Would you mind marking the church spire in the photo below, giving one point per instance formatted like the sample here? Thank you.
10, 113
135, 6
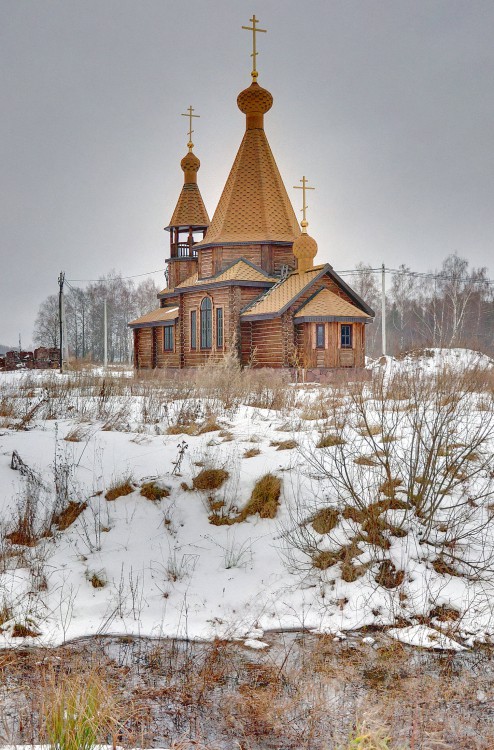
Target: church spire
305, 246
190, 211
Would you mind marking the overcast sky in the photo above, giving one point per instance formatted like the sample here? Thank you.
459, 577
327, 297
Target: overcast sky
386, 105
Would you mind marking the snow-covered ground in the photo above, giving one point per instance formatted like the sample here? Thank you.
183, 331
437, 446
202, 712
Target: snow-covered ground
161, 568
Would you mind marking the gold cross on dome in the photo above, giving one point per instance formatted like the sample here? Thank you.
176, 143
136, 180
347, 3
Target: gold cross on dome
255, 31
304, 187
190, 116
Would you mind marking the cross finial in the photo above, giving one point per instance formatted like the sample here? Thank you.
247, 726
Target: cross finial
190, 116
304, 187
255, 31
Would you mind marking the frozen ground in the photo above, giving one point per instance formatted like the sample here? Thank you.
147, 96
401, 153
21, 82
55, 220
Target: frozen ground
161, 568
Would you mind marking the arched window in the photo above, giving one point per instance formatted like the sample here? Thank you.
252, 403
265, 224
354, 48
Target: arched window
206, 323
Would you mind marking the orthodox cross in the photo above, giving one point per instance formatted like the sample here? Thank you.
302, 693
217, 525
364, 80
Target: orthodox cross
255, 31
190, 116
303, 188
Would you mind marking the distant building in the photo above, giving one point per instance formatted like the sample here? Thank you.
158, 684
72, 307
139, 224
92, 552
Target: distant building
246, 281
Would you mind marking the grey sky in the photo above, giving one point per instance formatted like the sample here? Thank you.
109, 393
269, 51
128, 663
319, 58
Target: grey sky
387, 106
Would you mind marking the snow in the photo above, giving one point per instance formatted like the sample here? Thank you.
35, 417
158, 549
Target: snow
425, 637
167, 571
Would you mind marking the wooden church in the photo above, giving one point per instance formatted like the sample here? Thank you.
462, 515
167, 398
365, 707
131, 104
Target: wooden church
245, 282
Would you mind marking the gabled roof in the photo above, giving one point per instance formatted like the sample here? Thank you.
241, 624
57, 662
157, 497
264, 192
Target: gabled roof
190, 210
155, 317
284, 293
240, 270
326, 303
254, 205
279, 298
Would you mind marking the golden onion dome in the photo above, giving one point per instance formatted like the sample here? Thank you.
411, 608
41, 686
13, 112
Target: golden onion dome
305, 250
190, 163
254, 102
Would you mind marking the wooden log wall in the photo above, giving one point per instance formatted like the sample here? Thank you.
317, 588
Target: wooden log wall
180, 269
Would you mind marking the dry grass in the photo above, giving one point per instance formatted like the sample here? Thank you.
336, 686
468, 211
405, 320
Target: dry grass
265, 498
284, 445
68, 515
152, 491
325, 520
97, 580
251, 452
119, 488
329, 441
210, 479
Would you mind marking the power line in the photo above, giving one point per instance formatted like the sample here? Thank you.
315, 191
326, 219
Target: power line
123, 278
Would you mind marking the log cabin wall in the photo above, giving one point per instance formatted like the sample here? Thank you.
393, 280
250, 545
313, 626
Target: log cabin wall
270, 258
144, 337
205, 263
180, 269
266, 343
166, 359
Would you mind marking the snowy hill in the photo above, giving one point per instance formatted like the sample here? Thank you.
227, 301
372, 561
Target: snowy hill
131, 505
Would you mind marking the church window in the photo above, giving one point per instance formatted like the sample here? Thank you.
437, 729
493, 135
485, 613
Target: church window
320, 337
346, 336
219, 327
168, 339
193, 329
206, 323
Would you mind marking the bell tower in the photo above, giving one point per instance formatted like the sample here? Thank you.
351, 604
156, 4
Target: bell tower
189, 220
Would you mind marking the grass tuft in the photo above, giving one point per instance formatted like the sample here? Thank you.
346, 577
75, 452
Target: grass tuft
119, 489
325, 520
265, 498
152, 491
329, 441
210, 479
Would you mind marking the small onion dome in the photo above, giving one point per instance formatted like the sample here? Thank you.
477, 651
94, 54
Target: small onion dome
305, 250
254, 102
190, 165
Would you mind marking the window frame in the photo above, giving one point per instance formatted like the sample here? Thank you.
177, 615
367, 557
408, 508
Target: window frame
193, 330
219, 319
346, 338
206, 324
320, 327
168, 339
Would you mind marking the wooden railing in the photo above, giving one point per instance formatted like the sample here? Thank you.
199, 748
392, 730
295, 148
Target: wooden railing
183, 250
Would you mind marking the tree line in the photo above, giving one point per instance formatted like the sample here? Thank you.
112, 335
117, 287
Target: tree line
84, 313
451, 307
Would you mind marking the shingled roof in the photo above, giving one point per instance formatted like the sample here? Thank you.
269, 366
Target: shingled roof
326, 303
284, 293
190, 210
254, 206
240, 270
155, 317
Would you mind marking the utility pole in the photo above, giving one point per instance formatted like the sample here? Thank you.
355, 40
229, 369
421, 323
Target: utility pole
61, 280
383, 309
105, 336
